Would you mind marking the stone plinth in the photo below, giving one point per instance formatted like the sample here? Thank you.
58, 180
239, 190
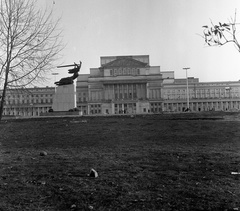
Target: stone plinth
64, 98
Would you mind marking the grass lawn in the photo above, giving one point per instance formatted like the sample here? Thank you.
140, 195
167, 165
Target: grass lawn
144, 163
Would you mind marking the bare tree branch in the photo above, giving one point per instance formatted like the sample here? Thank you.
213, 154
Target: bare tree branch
30, 43
222, 33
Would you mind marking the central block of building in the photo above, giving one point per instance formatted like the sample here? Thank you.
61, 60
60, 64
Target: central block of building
64, 98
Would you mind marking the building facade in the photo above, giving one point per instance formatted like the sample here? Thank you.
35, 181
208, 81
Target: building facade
28, 102
129, 85
203, 96
121, 85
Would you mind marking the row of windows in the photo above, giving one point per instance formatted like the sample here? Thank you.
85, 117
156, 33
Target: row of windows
199, 96
124, 71
82, 97
16, 102
95, 109
126, 108
95, 106
231, 90
218, 84
82, 94
210, 106
25, 111
29, 96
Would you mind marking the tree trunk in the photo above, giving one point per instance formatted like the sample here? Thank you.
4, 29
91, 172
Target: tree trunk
4, 92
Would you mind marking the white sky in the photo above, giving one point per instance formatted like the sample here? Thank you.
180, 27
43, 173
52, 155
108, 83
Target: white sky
166, 30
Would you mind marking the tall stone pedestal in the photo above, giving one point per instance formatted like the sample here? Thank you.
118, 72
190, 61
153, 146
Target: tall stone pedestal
64, 98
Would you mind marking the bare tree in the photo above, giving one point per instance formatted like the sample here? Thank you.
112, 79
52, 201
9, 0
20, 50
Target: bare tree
30, 42
222, 33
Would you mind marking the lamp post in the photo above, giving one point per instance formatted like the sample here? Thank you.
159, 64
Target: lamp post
187, 68
32, 109
230, 101
55, 74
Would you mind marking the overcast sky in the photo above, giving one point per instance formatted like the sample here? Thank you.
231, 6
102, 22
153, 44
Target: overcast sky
166, 30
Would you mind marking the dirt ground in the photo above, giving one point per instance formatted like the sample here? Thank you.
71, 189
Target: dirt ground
153, 162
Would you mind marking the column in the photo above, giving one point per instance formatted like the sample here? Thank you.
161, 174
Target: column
113, 109
147, 91
132, 91
138, 91
88, 109
89, 95
105, 92
112, 91
118, 91
121, 91
129, 91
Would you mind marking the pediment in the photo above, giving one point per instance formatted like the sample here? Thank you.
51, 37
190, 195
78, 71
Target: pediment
125, 62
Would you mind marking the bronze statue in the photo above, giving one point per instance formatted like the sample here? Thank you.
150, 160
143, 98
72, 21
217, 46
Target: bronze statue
69, 80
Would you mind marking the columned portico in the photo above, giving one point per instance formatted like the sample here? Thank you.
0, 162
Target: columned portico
121, 85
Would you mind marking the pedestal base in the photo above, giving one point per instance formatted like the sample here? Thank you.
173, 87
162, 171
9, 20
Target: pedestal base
64, 98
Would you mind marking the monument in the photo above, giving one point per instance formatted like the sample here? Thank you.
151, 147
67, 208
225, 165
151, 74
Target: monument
65, 93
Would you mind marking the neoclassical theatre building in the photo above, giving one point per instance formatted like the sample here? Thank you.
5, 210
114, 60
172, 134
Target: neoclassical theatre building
121, 85
129, 85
